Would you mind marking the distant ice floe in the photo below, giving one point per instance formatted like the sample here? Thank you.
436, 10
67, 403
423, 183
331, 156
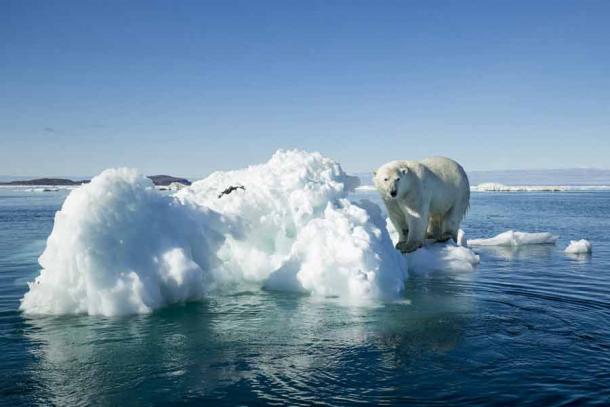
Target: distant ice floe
515, 239
39, 188
497, 187
581, 246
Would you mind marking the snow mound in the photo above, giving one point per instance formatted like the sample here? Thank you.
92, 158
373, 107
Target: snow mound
277, 201
581, 246
514, 239
118, 246
344, 253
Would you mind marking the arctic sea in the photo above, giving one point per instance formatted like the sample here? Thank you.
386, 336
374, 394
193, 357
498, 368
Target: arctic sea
529, 326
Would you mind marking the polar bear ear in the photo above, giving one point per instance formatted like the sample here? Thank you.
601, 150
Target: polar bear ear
374, 173
404, 171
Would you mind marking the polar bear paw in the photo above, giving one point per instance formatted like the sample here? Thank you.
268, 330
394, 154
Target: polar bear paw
404, 247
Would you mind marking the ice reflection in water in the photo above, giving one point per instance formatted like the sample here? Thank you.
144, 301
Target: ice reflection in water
255, 344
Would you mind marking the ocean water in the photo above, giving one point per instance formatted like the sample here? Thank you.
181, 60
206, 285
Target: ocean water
530, 325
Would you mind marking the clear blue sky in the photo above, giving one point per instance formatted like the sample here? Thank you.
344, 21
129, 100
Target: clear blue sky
186, 87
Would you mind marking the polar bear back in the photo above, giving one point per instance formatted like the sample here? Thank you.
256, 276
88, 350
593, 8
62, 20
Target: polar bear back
449, 172
444, 183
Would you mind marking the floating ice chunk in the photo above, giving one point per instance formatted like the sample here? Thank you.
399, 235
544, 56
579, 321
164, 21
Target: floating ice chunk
119, 247
512, 238
581, 246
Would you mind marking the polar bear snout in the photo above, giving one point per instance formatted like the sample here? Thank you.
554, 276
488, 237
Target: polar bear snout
393, 193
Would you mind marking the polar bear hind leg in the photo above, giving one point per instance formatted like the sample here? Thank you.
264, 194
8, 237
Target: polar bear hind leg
435, 228
451, 223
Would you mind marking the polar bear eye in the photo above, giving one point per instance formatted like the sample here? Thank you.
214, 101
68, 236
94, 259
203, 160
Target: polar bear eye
385, 179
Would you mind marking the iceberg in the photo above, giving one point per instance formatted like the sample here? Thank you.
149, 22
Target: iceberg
118, 246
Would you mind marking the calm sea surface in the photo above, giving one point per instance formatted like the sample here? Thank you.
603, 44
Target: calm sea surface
529, 326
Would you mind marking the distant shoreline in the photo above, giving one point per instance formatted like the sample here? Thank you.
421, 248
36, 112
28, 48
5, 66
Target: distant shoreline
158, 180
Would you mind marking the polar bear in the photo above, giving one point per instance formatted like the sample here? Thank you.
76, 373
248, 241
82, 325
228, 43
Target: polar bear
425, 199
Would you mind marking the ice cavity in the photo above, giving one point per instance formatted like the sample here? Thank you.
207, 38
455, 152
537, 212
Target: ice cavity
581, 246
119, 247
514, 239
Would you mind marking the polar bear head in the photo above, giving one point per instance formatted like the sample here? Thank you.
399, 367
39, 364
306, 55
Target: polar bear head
391, 179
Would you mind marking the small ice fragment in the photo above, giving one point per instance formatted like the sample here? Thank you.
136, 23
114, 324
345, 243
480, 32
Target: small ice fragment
581, 246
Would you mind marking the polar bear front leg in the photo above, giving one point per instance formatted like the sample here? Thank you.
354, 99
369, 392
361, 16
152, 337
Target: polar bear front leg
418, 225
399, 220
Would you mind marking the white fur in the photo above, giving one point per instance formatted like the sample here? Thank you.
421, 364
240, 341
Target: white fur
431, 199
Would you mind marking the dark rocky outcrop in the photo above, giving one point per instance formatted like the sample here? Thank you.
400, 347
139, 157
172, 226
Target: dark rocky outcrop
45, 181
